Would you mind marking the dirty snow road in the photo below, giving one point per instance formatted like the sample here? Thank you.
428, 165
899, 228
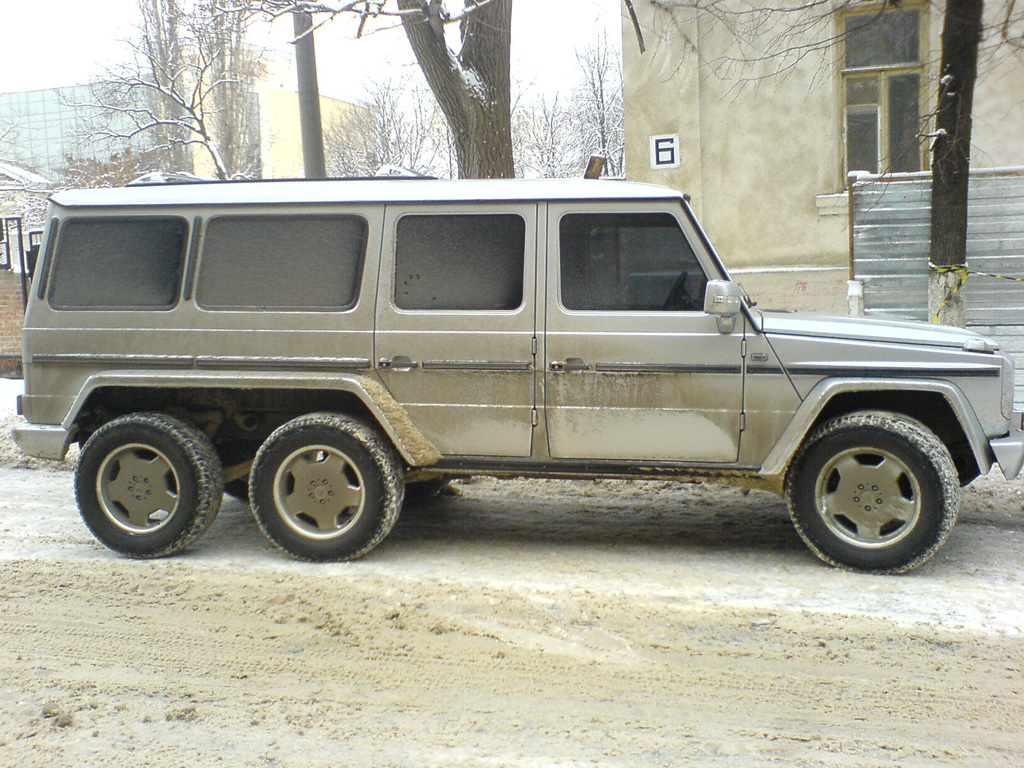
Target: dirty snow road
522, 624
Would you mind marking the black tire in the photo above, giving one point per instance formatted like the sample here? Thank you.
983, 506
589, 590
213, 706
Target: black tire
873, 491
326, 487
148, 485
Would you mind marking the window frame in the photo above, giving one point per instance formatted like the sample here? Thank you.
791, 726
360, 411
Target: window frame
53, 262
883, 73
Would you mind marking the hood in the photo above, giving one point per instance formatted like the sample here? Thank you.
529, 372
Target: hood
865, 329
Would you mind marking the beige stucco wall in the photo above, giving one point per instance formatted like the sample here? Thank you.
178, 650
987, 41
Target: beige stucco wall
761, 152
282, 137
280, 134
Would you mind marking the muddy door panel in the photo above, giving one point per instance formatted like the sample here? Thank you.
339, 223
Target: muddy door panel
634, 369
456, 324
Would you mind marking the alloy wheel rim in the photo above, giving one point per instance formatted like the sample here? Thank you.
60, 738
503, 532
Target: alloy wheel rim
868, 498
138, 488
319, 492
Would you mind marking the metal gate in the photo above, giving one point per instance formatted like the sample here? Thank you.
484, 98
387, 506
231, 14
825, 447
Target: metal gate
13, 247
890, 225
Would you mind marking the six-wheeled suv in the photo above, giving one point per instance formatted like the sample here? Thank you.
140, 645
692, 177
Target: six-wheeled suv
317, 345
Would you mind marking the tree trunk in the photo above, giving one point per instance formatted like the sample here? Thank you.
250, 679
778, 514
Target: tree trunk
473, 87
951, 160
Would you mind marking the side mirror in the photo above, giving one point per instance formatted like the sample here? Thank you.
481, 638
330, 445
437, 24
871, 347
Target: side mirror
724, 299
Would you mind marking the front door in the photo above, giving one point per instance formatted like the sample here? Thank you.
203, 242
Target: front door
634, 368
456, 324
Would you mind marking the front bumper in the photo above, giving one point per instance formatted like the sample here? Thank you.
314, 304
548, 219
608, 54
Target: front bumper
44, 441
1009, 450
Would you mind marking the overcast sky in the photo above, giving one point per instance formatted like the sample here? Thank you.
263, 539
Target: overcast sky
75, 41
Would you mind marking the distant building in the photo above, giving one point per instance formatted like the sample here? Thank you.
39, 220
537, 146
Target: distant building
41, 130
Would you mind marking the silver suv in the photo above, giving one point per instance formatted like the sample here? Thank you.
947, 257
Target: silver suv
318, 347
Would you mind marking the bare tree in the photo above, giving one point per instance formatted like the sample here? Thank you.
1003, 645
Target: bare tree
400, 125
471, 79
117, 170
190, 85
162, 28
556, 136
951, 159
599, 106
547, 139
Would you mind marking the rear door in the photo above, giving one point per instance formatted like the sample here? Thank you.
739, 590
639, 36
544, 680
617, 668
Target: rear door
634, 368
456, 323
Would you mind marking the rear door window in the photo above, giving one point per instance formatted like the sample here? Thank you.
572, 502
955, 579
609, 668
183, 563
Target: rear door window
460, 262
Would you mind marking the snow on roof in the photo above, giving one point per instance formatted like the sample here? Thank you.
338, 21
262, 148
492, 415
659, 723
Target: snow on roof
13, 175
362, 191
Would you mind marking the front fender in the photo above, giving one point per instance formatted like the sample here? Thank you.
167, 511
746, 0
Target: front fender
778, 459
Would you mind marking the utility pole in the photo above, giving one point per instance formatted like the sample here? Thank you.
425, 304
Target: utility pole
309, 98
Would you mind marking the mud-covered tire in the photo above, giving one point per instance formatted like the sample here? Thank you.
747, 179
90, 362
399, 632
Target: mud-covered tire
148, 485
873, 491
326, 487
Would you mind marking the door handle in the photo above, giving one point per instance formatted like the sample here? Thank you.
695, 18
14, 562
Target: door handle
570, 364
397, 363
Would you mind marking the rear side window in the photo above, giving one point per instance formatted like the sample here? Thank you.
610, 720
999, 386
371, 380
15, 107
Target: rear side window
469, 262
119, 263
628, 262
281, 263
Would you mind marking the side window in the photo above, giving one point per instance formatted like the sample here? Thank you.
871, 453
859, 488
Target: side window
629, 262
281, 263
119, 263
467, 262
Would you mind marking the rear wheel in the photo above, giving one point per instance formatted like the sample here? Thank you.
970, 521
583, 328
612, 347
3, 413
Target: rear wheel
873, 491
148, 484
326, 487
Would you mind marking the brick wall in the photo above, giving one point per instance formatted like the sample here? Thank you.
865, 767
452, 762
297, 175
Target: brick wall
10, 324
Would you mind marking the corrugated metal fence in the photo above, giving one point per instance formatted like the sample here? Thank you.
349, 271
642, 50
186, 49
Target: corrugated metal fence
891, 217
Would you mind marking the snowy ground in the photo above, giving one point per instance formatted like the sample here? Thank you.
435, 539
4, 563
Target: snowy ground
9, 390
523, 623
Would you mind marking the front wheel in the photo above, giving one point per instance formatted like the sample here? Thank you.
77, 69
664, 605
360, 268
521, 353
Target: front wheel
873, 491
326, 487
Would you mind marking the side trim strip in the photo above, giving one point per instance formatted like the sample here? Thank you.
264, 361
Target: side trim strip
972, 371
215, 362
86, 358
666, 368
477, 365
283, 363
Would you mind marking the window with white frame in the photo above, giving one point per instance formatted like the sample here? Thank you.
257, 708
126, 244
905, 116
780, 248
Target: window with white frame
883, 75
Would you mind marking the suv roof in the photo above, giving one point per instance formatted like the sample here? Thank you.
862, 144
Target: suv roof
362, 191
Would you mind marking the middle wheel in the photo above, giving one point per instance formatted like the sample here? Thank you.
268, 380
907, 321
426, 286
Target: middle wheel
326, 487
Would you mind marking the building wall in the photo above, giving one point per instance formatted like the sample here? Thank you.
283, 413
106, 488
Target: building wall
282, 134
10, 324
761, 153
